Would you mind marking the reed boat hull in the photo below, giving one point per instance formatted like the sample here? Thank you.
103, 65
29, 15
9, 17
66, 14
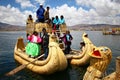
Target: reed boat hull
83, 58
56, 60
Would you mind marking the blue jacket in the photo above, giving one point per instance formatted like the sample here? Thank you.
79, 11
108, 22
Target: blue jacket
55, 21
62, 21
40, 13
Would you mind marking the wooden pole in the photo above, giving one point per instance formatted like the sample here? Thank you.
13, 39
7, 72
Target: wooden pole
19, 68
118, 68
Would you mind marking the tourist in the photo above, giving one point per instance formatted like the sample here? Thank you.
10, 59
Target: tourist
56, 22
62, 20
33, 48
46, 14
53, 28
45, 37
29, 19
67, 40
40, 14
82, 46
63, 38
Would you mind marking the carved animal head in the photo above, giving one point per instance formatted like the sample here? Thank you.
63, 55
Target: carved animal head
101, 52
100, 58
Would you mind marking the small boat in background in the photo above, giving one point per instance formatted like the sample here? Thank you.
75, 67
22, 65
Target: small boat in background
113, 31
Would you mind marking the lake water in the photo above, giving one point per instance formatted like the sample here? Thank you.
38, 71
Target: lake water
7, 62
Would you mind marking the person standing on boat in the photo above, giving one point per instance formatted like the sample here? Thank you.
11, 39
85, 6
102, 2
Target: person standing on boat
33, 48
46, 14
40, 14
67, 40
45, 42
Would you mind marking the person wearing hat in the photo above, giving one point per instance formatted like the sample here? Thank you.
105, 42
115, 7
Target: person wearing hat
40, 14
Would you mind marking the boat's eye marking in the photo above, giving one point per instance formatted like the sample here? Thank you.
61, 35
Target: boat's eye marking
104, 49
101, 49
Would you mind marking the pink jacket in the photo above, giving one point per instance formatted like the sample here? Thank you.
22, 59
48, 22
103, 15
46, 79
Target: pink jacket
35, 39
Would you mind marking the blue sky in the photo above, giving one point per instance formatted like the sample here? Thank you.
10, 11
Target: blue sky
74, 11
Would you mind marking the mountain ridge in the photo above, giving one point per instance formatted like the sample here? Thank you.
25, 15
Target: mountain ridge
10, 27
95, 27
98, 27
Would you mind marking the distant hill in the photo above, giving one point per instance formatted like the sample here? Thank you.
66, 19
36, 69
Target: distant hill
96, 27
9, 27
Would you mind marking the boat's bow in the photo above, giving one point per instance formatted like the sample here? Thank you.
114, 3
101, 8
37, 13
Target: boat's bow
56, 60
83, 58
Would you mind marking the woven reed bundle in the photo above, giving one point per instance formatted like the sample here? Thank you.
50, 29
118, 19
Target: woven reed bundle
30, 28
63, 28
40, 26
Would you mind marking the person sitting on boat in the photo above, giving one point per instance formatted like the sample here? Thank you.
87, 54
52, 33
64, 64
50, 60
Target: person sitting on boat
33, 47
56, 22
52, 22
53, 25
67, 40
29, 21
40, 13
62, 20
45, 41
82, 46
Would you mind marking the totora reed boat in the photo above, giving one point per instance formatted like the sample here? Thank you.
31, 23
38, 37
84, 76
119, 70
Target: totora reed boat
56, 60
81, 58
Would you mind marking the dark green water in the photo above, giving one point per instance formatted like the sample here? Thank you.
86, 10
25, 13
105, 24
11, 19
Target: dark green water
7, 63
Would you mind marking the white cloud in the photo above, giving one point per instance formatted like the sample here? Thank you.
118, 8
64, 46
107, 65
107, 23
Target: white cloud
24, 3
100, 12
13, 15
70, 13
102, 7
40, 1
